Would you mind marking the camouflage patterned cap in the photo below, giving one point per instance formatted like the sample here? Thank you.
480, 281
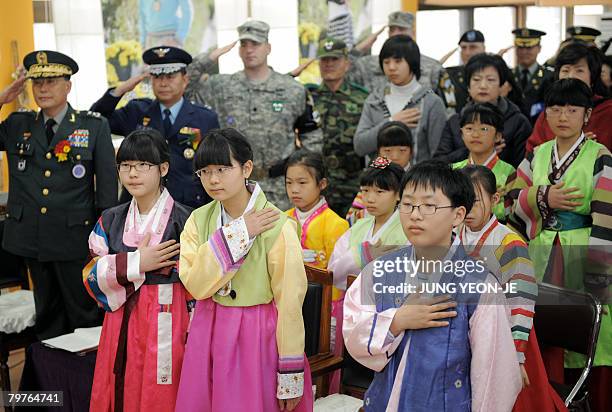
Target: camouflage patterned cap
401, 19
254, 30
332, 47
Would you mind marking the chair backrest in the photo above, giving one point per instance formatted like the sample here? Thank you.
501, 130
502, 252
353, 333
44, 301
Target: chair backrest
570, 320
356, 378
317, 311
567, 319
13, 270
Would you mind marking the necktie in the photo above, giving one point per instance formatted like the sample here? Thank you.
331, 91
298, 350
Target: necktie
167, 123
49, 130
524, 78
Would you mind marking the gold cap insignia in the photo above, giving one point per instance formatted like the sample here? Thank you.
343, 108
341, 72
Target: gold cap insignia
525, 32
41, 58
161, 52
578, 30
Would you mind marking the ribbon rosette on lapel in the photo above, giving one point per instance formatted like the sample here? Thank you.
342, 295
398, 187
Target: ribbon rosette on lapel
194, 136
62, 148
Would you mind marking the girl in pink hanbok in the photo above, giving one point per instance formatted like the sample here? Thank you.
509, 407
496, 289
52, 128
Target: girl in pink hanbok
133, 276
242, 260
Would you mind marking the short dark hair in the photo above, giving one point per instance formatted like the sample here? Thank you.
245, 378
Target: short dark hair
481, 61
438, 175
146, 145
394, 134
574, 92
481, 176
312, 161
220, 145
402, 47
486, 113
574, 52
388, 178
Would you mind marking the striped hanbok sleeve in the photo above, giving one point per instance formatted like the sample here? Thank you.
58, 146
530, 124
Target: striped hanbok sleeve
110, 278
598, 274
524, 203
516, 271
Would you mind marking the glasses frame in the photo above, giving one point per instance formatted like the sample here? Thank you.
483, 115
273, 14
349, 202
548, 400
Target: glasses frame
220, 172
418, 207
150, 165
481, 130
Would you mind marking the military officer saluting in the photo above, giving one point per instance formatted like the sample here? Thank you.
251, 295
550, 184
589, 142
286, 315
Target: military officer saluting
265, 105
182, 122
452, 84
339, 104
54, 157
533, 78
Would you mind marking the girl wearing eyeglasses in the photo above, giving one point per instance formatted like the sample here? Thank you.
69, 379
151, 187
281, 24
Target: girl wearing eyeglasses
481, 127
242, 260
506, 255
560, 201
133, 276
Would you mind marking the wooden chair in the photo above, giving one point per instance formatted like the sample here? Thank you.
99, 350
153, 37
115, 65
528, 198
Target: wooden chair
317, 324
356, 378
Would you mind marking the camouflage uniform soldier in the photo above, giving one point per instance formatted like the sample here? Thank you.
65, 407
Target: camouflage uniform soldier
339, 105
366, 70
265, 105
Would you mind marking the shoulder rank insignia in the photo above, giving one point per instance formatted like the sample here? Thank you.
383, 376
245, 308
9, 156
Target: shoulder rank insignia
93, 114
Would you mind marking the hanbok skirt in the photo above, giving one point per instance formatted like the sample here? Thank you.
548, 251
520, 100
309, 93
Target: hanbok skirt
231, 361
156, 337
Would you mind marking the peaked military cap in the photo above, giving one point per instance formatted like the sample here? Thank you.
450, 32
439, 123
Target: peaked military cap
166, 59
525, 37
48, 63
332, 47
472, 36
254, 30
583, 33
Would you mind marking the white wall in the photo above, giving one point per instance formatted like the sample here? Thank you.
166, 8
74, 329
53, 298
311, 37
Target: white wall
79, 33
551, 21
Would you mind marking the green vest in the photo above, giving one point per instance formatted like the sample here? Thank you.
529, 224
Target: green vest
579, 174
252, 280
574, 236
392, 235
502, 171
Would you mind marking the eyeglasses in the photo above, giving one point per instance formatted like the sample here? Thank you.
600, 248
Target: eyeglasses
468, 130
424, 210
140, 167
555, 111
219, 171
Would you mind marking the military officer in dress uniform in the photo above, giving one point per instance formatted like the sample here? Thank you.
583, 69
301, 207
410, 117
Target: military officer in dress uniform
452, 84
339, 104
533, 78
62, 175
267, 106
182, 122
